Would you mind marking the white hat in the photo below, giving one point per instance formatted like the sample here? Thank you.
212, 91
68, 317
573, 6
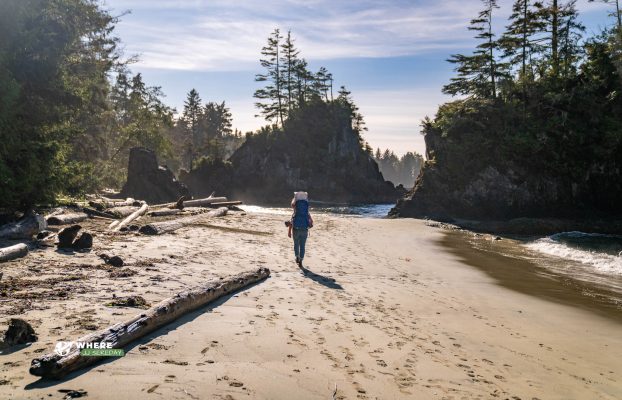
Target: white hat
301, 196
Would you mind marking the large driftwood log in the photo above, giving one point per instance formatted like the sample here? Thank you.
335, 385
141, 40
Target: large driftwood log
158, 228
103, 203
165, 212
225, 204
116, 225
95, 213
204, 202
66, 219
193, 203
25, 228
54, 366
123, 211
13, 252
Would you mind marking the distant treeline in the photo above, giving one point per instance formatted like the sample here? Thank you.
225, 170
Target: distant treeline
402, 170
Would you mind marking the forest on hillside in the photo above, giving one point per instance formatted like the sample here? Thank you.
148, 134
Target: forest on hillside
70, 108
402, 170
537, 127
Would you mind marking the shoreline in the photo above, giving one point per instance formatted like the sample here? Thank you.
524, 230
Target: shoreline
386, 312
530, 277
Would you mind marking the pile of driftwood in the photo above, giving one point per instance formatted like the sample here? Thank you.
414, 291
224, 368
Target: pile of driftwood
122, 214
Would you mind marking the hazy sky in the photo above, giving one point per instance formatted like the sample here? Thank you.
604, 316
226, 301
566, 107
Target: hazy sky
390, 53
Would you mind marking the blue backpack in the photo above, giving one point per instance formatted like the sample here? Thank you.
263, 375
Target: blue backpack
301, 215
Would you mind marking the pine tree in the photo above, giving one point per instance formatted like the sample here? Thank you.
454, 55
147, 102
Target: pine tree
563, 31
289, 63
271, 97
191, 118
478, 74
519, 42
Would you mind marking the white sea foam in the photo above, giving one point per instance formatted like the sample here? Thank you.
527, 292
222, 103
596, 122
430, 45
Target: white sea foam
568, 246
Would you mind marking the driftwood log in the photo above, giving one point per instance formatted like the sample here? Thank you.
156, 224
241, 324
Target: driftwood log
103, 203
165, 212
95, 213
116, 225
13, 252
192, 203
158, 228
66, 219
55, 366
25, 228
122, 212
225, 204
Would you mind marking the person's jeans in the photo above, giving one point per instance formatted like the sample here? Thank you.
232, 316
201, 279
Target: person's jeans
300, 238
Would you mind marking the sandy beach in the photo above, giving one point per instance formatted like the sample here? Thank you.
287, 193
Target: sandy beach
391, 309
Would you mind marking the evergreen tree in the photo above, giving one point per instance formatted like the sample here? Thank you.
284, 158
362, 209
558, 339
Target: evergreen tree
190, 119
271, 97
289, 63
479, 73
519, 42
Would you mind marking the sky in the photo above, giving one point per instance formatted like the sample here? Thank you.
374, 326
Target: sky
391, 54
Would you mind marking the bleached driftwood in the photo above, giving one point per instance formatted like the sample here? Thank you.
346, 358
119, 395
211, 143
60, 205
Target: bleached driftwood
103, 203
165, 212
25, 228
193, 203
225, 203
95, 213
66, 219
158, 228
123, 211
13, 252
116, 225
55, 366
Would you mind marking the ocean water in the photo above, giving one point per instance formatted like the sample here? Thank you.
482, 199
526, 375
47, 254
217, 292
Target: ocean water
363, 210
585, 252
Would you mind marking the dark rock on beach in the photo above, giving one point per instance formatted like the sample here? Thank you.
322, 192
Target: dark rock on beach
148, 181
19, 332
66, 236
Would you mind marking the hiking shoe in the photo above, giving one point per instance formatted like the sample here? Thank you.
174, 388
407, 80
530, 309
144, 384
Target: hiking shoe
297, 260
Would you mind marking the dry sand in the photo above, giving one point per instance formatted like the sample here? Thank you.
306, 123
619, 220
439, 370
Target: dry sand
388, 312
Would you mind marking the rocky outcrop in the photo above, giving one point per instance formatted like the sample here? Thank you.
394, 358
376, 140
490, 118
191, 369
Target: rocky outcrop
329, 163
148, 181
458, 184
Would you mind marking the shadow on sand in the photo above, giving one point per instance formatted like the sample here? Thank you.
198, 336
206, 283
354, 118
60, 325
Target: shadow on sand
321, 279
45, 383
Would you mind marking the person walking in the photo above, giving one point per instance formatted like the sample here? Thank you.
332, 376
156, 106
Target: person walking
299, 224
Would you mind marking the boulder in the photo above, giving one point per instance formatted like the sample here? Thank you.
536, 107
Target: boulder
148, 181
19, 332
84, 241
66, 236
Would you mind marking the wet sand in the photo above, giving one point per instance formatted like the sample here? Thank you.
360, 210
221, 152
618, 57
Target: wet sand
388, 309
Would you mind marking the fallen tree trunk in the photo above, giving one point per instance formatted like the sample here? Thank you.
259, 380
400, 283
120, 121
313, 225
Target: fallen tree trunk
225, 203
91, 212
103, 203
25, 228
116, 226
55, 366
13, 252
122, 212
164, 212
66, 219
158, 228
193, 203
204, 202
